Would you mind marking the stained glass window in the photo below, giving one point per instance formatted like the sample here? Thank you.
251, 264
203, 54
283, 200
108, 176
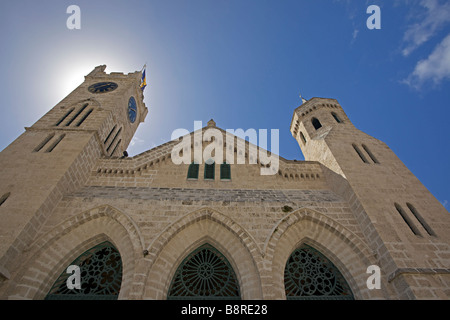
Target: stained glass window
310, 275
204, 274
100, 275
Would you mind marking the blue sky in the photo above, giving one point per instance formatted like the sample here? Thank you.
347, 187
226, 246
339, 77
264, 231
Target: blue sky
244, 63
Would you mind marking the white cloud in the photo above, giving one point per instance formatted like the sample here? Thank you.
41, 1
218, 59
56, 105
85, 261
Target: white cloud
435, 68
433, 19
136, 141
355, 34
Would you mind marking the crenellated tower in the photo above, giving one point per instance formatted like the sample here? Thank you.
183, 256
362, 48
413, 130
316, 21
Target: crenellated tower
403, 222
55, 155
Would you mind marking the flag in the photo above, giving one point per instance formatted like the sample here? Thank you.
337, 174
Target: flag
143, 79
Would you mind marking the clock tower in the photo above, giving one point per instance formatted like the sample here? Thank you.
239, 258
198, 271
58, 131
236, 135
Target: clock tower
55, 155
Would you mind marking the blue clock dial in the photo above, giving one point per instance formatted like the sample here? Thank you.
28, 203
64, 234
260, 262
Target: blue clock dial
102, 87
132, 110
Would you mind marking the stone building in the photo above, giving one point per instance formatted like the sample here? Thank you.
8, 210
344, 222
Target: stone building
145, 227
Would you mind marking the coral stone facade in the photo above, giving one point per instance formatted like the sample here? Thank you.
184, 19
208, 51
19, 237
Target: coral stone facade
66, 188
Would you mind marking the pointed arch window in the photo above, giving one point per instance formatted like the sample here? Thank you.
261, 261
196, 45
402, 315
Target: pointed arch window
316, 123
100, 274
204, 274
309, 275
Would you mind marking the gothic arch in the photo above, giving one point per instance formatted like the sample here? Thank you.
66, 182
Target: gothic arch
343, 248
205, 213
90, 101
54, 251
204, 274
189, 233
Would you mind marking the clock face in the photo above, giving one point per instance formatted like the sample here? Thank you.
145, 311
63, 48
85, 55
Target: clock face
132, 109
102, 87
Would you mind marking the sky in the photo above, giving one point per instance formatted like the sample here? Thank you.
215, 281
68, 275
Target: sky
244, 64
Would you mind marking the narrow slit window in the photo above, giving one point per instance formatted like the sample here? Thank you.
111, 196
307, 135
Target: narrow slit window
118, 143
84, 117
316, 123
363, 158
110, 134
335, 116
44, 142
4, 197
55, 143
374, 159
65, 116
76, 115
225, 171
421, 219
209, 170
114, 139
407, 220
193, 171
302, 137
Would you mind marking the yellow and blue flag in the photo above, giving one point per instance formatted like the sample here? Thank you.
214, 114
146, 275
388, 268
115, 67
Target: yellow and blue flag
143, 79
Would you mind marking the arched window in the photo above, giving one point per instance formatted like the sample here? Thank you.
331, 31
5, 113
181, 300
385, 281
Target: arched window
209, 170
204, 274
193, 171
335, 116
100, 275
225, 171
309, 275
316, 123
